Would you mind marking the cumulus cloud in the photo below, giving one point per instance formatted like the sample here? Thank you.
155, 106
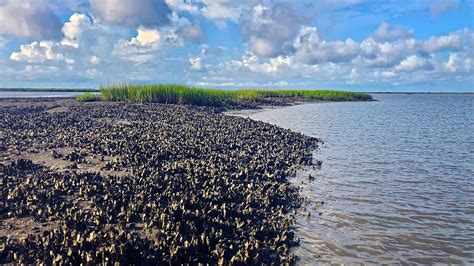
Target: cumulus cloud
29, 19
148, 41
253, 63
94, 60
182, 30
73, 30
208, 51
81, 39
413, 63
193, 33
385, 74
213, 10
148, 13
311, 49
270, 30
224, 10
182, 6
439, 7
37, 52
139, 49
458, 63
386, 32
196, 64
280, 44
453, 41
350, 62
386, 54
146, 37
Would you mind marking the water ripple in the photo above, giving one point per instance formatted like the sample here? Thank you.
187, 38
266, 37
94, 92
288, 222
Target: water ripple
397, 180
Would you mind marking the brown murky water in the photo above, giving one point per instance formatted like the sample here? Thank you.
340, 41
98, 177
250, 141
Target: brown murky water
397, 179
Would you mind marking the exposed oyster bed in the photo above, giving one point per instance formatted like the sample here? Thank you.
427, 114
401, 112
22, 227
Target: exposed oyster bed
109, 182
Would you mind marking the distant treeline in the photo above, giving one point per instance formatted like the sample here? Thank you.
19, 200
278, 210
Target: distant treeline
181, 94
49, 89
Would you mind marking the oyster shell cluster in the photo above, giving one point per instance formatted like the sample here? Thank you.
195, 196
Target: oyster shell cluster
117, 182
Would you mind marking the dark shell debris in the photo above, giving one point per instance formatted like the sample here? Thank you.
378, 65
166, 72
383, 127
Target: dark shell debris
146, 184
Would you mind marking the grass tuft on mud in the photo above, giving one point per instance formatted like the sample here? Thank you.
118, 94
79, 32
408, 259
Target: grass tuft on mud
88, 97
181, 94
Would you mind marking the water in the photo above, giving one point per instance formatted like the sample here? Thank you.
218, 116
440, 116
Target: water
36, 94
397, 179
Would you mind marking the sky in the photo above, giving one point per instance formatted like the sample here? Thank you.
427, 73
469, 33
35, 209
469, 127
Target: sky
357, 45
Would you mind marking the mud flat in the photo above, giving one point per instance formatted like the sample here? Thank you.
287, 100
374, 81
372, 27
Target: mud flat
145, 183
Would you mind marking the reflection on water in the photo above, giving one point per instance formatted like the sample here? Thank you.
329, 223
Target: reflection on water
397, 179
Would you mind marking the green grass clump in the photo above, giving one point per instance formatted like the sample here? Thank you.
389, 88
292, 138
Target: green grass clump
167, 93
181, 94
88, 97
321, 95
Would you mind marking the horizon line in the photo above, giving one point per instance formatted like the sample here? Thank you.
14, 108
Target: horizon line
89, 89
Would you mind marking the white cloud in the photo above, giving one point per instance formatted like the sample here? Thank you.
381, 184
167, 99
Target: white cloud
208, 51
196, 64
253, 63
94, 60
93, 72
386, 32
148, 13
439, 7
412, 63
33, 70
182, 6
401, 61
29, 19
350, 62
385, 74
74, 29
452, 41
146, 37
270, 30
148, 41
140, 48
279, 45
192, 33
459, 63
69, 61
218, 11
223, 10
181, 30
386, 54
37, 53
311, 49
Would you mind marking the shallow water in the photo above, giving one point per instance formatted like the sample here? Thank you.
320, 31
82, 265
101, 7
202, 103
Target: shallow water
397, 179
36, 94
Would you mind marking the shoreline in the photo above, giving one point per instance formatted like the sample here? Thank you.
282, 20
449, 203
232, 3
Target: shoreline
236, 168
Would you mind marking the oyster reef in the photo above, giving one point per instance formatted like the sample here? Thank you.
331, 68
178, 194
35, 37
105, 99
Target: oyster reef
145, 183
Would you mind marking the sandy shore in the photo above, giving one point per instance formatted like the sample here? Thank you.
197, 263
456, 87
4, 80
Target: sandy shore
115, 182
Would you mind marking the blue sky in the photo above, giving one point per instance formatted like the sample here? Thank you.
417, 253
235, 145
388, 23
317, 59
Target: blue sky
359, 45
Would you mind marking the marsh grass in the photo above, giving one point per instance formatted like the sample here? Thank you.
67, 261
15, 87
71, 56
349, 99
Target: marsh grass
181, 94
88, 97
322, 95
167, 93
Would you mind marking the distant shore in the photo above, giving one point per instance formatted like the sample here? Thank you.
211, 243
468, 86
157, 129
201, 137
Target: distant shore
48, 90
